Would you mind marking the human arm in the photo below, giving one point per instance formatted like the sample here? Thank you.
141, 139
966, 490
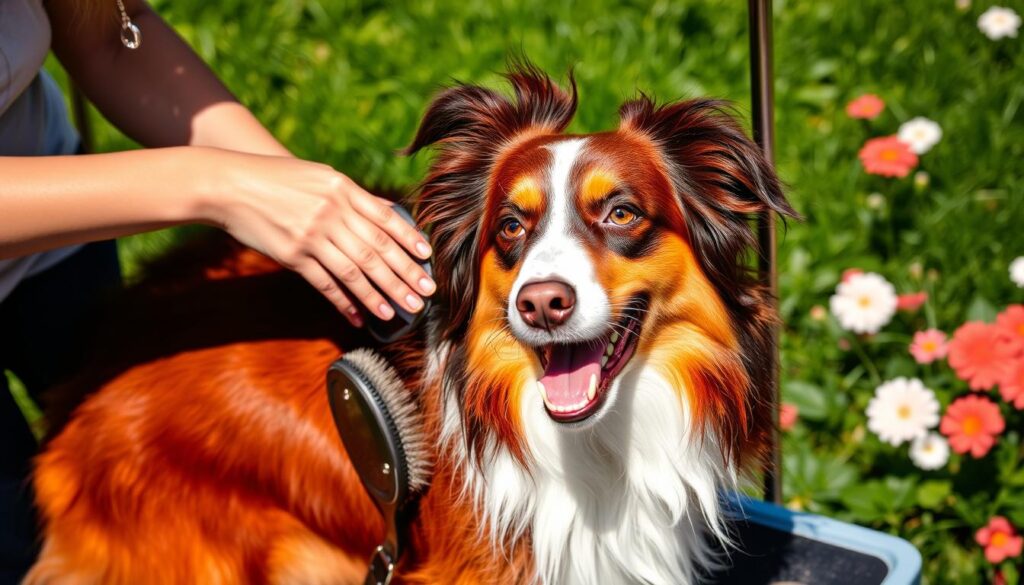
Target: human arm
53, 201
305, 215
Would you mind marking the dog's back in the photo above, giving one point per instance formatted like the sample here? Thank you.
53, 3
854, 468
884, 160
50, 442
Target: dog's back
205, 452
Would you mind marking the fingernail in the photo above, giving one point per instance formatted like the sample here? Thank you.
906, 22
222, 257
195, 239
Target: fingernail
423, 249
414, 301
427, 285
356, 320
386, 311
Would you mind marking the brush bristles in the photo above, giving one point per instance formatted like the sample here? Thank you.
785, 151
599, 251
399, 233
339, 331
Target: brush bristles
402, 407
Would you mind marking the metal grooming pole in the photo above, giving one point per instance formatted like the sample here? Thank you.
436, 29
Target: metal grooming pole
762, 104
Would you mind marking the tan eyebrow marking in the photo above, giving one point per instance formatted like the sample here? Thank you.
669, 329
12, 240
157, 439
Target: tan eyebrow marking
526, 195
597, 185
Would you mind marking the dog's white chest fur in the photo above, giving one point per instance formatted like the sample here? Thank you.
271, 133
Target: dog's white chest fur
630, 499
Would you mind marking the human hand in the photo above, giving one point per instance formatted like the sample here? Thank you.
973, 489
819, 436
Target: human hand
318, 222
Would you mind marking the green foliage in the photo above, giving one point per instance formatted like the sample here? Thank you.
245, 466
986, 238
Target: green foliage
345, 81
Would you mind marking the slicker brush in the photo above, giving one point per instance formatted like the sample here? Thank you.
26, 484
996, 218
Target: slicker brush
383, 432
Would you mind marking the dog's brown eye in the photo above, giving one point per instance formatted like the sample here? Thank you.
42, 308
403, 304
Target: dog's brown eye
512, 229
622, 216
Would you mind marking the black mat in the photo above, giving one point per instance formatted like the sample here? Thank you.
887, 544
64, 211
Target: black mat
767, 556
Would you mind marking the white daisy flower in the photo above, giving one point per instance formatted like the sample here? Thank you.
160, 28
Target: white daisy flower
998, 22
864, 303
1017, 271
902, 410
920, 134
930, 451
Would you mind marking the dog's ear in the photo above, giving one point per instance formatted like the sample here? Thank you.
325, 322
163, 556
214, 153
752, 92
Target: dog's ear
720, 176
721, 179
472, 126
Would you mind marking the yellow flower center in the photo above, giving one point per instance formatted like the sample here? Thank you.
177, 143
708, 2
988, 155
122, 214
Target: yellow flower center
1020, 329
928, 346
998, 539
864, 301
903, 412
971, 426
890, 154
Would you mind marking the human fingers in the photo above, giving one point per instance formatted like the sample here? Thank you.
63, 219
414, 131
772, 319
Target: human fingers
382, 213
322, 281
373, 266
348, 267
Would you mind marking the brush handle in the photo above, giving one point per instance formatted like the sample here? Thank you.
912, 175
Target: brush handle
403, 321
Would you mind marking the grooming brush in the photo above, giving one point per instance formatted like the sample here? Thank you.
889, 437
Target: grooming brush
403, 321
383, 432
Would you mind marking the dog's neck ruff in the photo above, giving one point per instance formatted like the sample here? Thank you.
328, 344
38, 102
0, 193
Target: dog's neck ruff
631, 499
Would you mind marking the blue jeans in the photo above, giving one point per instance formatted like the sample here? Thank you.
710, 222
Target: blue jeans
45, 326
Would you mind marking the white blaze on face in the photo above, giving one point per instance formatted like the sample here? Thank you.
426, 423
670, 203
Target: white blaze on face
558, 255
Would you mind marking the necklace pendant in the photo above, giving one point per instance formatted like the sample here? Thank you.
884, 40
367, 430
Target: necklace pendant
131, 36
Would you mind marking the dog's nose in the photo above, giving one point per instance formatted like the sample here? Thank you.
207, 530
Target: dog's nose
546, 305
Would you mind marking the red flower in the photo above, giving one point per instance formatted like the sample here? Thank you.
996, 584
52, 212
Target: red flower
1011, 387
1000, 540
865, 107
887, 157
788, 414
971, 423
911, 302
850, 273
980, 354
929, 346
1011, 324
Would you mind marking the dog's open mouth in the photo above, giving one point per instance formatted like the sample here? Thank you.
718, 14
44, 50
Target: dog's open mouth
577, 376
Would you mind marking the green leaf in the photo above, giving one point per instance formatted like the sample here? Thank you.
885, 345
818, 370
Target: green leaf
981, 310
932, 494
1010, 573
809, 398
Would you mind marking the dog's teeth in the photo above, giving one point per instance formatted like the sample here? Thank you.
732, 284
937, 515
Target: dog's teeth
608, 350
592, 390
604, 361
615, 336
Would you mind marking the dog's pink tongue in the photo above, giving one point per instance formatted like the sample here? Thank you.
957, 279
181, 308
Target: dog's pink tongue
567, 377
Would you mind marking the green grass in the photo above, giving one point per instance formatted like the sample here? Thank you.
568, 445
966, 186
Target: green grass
344, 82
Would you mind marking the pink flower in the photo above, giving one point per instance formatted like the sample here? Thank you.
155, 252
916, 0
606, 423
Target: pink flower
788, 414
911, 302
865, 107
971, 423
980, 354
887, 157
850, 273
1011, 387
929, 346
1011, 324
1000, 540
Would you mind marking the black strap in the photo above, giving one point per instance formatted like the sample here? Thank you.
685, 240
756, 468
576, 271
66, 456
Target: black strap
382, 567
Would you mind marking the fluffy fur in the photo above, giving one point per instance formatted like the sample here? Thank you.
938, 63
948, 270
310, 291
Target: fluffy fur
207, 455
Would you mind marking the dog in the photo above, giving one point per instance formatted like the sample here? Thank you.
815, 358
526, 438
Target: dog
593, 372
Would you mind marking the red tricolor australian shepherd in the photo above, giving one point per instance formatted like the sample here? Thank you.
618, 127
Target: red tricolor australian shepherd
591, 373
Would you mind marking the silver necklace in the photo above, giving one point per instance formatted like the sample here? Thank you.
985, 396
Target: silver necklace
131, 36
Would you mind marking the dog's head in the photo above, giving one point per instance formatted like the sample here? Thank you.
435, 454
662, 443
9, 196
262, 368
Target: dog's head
566, 263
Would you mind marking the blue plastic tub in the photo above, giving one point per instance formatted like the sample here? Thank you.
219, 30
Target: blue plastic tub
776, 545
